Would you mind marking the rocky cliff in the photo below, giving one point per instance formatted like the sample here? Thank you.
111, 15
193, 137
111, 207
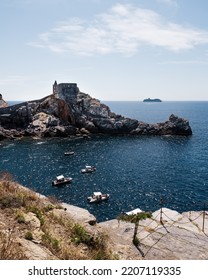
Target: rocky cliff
68, 112
2, 102
174, 236
33, 227
38, 228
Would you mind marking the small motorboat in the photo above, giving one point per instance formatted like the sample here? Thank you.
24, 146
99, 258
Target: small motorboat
88, 169
60, 180
98, 197
133, 212
69, 153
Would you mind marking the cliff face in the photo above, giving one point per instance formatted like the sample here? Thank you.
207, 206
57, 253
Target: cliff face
2, 102
33, 227
68, 112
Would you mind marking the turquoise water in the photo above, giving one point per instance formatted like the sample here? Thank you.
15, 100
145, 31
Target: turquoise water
135, 170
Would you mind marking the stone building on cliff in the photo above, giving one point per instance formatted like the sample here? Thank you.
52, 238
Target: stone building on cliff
66, 91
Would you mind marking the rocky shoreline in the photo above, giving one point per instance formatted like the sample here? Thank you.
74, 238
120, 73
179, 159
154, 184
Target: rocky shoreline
68, 111
167, 235
178, 236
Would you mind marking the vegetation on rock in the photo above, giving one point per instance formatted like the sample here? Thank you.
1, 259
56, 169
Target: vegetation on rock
36, 227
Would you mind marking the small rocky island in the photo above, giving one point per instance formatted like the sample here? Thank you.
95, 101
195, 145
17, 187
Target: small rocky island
68, 111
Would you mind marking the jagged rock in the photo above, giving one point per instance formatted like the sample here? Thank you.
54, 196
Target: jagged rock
167, 235
33, 251
32, 220
45, 125
3, 103
84, 131
68, 110
174, 126
79, 214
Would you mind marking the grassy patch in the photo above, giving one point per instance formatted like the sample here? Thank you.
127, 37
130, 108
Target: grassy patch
20, 217
80, 235
51, 242
9, 248
38, 212
62, 236
29, 235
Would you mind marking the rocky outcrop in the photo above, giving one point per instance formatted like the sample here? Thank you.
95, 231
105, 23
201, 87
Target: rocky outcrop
81, 215
68, 112
174, 126
3, 103
35, 227
176, 237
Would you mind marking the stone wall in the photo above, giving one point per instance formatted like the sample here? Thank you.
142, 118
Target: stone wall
66, 91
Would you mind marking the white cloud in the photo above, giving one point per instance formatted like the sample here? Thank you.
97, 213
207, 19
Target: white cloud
168, 2
124, 29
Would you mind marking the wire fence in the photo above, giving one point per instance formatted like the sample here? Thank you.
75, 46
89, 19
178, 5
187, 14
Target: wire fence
163, 220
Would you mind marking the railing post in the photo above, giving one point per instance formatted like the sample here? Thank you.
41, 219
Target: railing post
203, 218
161, 206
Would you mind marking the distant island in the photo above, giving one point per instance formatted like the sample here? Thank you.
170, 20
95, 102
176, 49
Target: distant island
152, 100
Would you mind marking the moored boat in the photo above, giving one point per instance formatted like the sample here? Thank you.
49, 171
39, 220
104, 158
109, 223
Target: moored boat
60, 180
98, 197
88, 169
69, 153
133, 212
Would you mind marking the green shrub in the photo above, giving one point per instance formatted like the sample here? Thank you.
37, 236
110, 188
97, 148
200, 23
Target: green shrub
38, 212
10, 201
20, 218
48, 208
80, 235
28, 235
50, 241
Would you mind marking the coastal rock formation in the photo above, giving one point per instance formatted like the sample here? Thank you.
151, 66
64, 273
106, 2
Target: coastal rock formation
34, 227
178, 237
174, 126
68, 112
2, 102
81, 215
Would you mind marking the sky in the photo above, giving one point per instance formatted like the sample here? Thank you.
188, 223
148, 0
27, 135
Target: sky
113, 50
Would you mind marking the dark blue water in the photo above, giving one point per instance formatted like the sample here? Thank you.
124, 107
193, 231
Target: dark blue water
135, 170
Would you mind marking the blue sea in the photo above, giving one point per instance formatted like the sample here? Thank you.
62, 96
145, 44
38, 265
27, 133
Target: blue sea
137, 171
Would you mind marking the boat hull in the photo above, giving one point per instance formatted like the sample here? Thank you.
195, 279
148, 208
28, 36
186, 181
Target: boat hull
88, 170
97, 199
69, 153
66, 181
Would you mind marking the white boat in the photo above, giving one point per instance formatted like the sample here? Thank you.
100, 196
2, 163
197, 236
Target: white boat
88, 169
60, 180
69, 153
98, 197
134, 212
